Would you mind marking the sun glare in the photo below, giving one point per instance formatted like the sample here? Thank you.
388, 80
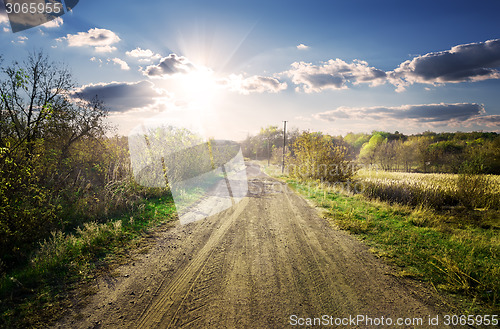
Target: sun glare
200, 88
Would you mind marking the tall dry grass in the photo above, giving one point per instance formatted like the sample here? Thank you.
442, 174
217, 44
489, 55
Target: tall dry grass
432, 190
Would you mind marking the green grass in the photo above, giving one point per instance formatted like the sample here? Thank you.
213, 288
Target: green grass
453, 250
33, 295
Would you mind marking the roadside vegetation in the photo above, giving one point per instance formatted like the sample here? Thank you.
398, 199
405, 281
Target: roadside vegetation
35, 295
437, 220
455, 252
67, 195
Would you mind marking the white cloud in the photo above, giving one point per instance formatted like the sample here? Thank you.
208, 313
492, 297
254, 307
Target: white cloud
104, 49
253, 84
334, 74
463, 63
302, 47
53, 23
6, 29
489, 121
4, 19
101, 39
143, 54
421, 113
20, 40
122, 63
97, 60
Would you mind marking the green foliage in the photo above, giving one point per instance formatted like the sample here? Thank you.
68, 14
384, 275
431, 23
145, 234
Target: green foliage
268, 143
356, 140
59, 173
26, 213
318, 157
58, 170
369, 150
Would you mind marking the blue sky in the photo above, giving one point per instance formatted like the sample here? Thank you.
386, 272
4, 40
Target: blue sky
228, 68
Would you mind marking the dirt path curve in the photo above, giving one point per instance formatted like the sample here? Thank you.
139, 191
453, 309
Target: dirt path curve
255, 265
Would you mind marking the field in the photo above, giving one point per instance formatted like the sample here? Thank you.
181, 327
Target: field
433, 190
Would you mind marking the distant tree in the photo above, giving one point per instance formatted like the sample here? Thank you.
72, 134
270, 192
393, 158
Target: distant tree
271, 136
368, 153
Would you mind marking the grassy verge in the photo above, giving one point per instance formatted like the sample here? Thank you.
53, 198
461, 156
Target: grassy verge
447, 249
33, 295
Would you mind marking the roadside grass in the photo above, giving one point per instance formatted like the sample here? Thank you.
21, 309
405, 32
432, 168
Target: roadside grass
456, 251
32, 296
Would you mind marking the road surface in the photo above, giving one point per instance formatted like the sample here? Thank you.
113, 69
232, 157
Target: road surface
267, 262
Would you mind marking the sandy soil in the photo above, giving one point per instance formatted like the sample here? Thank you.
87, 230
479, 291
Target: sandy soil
255, 265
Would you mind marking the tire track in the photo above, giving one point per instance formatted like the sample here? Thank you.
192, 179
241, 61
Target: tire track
182, 284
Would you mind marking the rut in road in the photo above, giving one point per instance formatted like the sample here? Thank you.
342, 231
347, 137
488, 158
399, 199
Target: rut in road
253, 266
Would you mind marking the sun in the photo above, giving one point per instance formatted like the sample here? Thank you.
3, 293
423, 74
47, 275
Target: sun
199, 88
195, 96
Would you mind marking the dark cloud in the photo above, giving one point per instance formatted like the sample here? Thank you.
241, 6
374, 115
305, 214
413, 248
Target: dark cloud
121, 96
424, 113
170, 65
468, 62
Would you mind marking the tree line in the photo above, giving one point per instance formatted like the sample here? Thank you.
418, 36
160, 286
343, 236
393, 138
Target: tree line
428, 152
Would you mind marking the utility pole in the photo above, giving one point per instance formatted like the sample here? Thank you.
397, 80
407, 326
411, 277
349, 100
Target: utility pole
284, 145
268, 152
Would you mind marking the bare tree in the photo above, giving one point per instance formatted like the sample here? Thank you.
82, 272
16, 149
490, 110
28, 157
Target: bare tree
36, 101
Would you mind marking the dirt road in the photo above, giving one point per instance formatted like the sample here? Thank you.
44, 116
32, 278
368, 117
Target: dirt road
264, 263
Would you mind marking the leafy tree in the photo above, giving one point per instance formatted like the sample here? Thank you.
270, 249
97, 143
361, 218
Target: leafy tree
41, 120
368, 152
316, 156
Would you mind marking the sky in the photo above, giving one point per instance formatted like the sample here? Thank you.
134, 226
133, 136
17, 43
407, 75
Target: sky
228, 68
